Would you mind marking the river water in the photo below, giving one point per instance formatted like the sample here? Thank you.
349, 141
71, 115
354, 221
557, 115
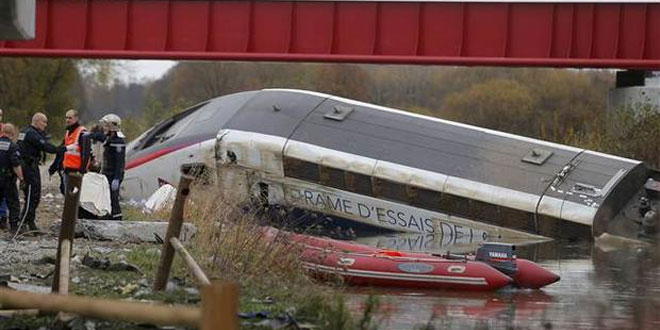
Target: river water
600, 288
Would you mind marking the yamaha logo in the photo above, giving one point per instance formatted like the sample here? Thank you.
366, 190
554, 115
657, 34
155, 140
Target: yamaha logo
501, 255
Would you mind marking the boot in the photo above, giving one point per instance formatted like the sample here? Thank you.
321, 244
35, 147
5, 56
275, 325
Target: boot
13, 228
4, 223
33, 226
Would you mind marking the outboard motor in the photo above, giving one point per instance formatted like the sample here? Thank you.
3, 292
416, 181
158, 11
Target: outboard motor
500, 256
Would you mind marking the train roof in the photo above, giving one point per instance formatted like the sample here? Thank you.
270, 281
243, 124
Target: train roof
423, 142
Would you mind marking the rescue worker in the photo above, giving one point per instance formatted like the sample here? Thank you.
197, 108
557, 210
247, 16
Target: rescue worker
76, 144
114, 154
10, 169
33, 142
4, 212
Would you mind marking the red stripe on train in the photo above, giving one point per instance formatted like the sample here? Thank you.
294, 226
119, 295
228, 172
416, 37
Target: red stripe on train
161, 152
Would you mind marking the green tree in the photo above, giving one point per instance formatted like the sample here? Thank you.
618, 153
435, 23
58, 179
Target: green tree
499, 104
29, 85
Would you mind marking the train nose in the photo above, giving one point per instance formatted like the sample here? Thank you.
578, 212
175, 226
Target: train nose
532, 276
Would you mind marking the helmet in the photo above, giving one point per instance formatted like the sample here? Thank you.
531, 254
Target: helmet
112, 121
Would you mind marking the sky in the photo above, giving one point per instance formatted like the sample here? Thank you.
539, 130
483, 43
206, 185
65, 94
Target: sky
142, 70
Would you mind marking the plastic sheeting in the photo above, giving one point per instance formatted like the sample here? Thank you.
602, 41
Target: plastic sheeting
160, 198
95, 194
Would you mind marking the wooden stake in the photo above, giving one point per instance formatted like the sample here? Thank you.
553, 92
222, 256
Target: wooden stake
103, 308
173, 230
64, 267
219, 307
190, 262
68, 225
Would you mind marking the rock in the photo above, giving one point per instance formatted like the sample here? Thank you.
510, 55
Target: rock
45, 260
76, 260
126, 231
75, 280
95, 263
122, 265
105, 264
29, 288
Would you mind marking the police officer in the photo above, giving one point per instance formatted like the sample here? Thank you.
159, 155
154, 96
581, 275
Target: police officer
10, 169
33, 143
114, 154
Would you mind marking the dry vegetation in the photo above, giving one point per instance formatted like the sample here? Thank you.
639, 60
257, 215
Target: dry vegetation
231, 245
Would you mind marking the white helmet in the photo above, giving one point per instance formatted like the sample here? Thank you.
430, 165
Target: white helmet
113, 121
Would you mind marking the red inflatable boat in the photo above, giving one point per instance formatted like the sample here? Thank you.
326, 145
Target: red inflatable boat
495, 266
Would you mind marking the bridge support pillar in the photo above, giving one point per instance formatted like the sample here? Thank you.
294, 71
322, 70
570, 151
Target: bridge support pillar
635, 90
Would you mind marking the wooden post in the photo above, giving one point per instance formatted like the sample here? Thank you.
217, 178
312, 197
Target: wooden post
193, 267
102, 308
68, 225
173, 230
219, 307
64, 267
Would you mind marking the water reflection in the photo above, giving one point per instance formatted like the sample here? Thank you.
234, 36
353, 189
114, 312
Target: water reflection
599, 289
435, 243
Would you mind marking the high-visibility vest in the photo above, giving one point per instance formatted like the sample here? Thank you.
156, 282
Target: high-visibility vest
72, 155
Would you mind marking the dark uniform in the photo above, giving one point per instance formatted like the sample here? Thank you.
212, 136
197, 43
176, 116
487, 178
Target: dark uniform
33, 144
9, 158
114, 155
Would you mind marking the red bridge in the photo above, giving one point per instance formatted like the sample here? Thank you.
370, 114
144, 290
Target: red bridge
617, 35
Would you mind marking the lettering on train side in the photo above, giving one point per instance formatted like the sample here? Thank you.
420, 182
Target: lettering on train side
404, 218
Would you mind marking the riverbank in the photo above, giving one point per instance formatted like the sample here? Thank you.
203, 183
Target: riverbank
274, 287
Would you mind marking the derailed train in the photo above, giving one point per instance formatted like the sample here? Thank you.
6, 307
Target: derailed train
395, 170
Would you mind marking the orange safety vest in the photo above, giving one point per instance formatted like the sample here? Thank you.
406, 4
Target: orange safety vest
72, 155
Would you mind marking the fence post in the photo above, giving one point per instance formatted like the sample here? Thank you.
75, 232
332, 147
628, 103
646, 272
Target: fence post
173, 230
219, 306
68, 226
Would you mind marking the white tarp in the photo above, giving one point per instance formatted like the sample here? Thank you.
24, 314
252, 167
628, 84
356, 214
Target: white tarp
165, 195
95, 194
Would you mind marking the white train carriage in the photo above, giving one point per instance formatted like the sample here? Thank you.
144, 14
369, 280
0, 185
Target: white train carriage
393, 169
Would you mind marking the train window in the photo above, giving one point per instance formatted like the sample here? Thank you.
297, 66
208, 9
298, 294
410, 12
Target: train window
300, 169
456, 205
426, 198
516, 219
333, 177
359, 183
391, 190
167, 128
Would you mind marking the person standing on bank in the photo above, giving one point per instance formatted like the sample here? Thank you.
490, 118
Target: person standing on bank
33, 143
10, 169
76, 145
114, 156
4, 212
